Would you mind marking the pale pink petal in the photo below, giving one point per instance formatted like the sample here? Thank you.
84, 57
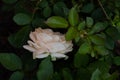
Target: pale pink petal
44, 37
56, 38
57, 55
55, 47
48, 31
38, 30
33, 36
41, 51
31, 49
42, 55
33, 44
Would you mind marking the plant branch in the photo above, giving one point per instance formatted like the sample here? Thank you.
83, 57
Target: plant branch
36, 8
105, 12
103, 9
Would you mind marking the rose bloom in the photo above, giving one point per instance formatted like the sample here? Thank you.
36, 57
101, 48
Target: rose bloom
45, 42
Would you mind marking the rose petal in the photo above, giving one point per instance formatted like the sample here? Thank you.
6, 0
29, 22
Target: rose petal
44, 37
55, 47
57, 55
31, 49
33, 36
34, 44
42, 55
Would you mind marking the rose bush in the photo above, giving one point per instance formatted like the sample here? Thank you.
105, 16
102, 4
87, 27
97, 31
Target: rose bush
92, 26
45, 42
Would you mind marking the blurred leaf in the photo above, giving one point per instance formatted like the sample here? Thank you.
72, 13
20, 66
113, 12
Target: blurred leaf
66, 11
81, 25
73, 17
9, 1
85, 48
66, 74
45, 71
113, 76
57, 22
88, 8
83, 74
10, 61
99, 26
96, 75
97, 40
69, 35
17, 76
17, 40
89, 22
22, 19
43, 4
60, 9
97, 14
47, 11
38, 22
109, 43
101, 50
101, 65
93, 54
113, 33
117, 60
81, 60
28, 62
56, 76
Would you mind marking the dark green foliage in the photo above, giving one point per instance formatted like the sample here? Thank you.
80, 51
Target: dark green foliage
10, 61
17, 76
22, 19
17, 40
93, 26
45, 70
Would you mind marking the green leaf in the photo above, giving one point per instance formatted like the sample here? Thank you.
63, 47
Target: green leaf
17, 76
22, 19
81, 60
113, 33
82, 74
69, 35
89, 22
57, 22
109, 43
88, 8
47, 11
9, 1
73, 17
60, 9
113, 76
66, 74
101, 65
38, 22
93, 53
97, 40
96, 75
101, 50
17, 40
81, 25
97, 14
56, 76
117, 60
99, 26
10, 61
85, 48
43, 4
28, 61
45, 70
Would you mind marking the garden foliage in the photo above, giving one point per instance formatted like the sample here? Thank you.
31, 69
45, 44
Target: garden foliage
92, 25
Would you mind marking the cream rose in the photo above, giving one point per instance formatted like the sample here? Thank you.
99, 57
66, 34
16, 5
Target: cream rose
45, 42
